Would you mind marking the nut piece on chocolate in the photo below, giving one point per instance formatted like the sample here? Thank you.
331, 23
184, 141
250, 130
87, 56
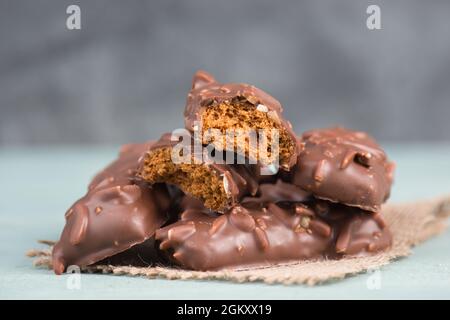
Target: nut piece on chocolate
114, 215
363, 234
344, 166
261, 233
357, 232
237, 106
219, 186
246, 235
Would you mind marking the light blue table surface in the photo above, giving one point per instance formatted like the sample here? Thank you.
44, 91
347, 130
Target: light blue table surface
38, 185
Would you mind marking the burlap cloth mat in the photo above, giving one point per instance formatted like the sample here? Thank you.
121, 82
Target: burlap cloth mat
411, 223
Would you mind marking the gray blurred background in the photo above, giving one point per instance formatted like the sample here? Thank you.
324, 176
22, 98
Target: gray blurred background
125, 75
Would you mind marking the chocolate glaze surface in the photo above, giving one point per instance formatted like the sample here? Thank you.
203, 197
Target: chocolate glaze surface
344, 166
207, 92
280, 191
362, 234
247, 235
115, 214
357, 232
269, 230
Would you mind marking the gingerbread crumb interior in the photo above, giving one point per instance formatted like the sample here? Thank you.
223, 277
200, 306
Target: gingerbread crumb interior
197, 180
244, 116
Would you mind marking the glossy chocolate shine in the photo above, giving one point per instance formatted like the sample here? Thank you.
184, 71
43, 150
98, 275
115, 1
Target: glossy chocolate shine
280, 191
258, 233
344, 166
113, 216
207, 92
244, 236
357, 232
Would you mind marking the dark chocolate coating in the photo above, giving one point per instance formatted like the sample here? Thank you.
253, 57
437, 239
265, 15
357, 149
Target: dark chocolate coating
344, 166
280, 191
357, 232
115, 214
363, 234
247, 235
207, 92
268, 230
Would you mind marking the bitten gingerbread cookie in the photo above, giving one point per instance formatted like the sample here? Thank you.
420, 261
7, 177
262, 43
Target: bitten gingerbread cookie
344, 166
219, 186
241, 108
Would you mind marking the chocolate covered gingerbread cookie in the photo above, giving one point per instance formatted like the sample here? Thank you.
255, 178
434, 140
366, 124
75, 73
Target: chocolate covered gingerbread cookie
244, 111
344, 166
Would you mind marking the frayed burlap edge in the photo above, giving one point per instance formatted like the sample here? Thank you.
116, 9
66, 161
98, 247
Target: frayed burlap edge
410, 223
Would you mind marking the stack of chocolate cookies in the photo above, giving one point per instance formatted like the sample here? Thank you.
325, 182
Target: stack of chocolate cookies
231, 203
